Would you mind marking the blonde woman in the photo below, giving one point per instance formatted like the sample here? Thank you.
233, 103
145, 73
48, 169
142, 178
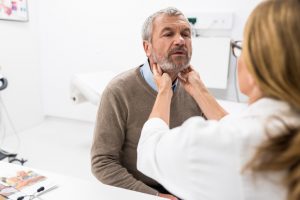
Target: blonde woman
255, 155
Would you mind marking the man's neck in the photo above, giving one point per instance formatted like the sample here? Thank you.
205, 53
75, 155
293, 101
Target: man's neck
173, 76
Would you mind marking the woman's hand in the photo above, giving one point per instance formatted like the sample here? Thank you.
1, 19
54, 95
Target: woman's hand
161, 107
193, 84
163, 80
191, 81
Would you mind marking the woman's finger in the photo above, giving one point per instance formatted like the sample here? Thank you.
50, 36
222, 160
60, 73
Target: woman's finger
185, 71
182, 82
181, 77
155, 70
190, 69
159, 69
184, 75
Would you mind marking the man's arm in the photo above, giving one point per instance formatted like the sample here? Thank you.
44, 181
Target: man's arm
109, 136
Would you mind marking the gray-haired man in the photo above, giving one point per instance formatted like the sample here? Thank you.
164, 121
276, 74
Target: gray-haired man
128, 99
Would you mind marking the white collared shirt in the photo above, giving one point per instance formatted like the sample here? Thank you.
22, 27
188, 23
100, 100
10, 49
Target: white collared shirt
203, 159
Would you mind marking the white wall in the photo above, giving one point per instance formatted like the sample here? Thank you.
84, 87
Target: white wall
19, 58
93, 35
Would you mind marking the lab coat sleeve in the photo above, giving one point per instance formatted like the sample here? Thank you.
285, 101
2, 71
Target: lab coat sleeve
160, 154
194, 161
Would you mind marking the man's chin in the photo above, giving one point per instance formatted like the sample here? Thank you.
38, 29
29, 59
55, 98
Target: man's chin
174, 67
176, 71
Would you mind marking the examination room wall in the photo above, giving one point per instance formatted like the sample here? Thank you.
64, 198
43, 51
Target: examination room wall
63, 38
90, 36
20, 64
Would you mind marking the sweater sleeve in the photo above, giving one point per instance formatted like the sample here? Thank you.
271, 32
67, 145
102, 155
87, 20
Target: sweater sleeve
109, 136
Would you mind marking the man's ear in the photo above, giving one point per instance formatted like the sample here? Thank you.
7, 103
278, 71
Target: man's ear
147, 47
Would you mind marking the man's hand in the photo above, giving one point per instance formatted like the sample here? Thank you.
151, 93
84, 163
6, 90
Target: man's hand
163, 80
167, 196
191, 81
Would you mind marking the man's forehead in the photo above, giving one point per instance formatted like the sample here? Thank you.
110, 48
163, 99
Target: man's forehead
165, 20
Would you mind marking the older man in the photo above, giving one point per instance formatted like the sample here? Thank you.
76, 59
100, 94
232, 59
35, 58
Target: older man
128, 99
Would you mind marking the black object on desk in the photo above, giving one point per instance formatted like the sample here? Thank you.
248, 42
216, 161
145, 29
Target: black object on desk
12, 157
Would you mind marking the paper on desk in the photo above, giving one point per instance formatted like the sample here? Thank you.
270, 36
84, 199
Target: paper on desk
7, 191
17, 181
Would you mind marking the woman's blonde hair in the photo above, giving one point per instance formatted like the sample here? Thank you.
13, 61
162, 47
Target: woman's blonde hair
271, 52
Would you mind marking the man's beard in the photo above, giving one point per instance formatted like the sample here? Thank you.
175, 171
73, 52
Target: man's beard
171, 65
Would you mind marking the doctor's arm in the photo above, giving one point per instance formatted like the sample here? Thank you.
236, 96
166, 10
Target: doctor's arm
193, 84
189, 156
161, 108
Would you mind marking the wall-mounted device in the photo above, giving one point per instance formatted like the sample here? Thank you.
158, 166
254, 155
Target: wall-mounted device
211, 20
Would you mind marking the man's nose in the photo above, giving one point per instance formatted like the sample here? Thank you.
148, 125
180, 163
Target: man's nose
179, 40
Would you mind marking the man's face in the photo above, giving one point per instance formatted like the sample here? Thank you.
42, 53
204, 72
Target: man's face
171, 45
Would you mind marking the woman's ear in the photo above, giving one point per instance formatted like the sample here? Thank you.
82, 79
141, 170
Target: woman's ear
250, 79
147, 47
255, 89
247, 82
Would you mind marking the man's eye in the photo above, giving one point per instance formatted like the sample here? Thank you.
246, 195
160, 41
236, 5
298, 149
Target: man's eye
186, 35
168, 34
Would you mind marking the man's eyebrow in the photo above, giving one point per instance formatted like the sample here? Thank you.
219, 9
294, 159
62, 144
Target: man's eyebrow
166, 29
186, 29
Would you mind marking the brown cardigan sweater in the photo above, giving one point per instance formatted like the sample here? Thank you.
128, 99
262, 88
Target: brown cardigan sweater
125, 106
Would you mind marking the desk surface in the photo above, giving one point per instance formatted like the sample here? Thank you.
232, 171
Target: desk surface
77, 189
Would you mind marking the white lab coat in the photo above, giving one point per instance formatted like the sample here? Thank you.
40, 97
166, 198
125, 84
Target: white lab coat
203, 160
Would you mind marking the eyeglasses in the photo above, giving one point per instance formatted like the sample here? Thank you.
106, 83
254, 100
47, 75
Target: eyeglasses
236, 47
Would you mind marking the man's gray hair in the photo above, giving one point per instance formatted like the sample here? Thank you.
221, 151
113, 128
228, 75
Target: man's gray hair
148, 24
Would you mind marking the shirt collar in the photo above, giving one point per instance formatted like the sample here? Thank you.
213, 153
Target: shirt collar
148, 76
